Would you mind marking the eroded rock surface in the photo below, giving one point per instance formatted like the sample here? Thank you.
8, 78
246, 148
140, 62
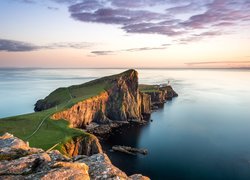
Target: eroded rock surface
121, 102
36, 164
82, 145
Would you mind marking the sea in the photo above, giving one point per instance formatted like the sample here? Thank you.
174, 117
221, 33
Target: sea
203, 134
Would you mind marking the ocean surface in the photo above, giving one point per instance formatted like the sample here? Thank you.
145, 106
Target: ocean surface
203, 134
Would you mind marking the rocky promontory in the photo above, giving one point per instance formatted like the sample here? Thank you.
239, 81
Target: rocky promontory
67, 120
19, 161
121, 100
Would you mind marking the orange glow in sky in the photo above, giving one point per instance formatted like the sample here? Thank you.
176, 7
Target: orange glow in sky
150, 34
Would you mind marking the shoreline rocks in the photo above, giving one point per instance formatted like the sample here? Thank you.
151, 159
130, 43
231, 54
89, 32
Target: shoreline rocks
37, 164
129, 150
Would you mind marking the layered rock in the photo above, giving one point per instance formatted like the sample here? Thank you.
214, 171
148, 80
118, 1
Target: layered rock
82, 145
145, 105
160, 95
121, 102
37, 164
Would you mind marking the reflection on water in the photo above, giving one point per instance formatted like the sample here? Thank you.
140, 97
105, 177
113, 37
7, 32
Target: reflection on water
202, 134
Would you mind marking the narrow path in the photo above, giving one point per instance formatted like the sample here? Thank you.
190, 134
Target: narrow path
50, 114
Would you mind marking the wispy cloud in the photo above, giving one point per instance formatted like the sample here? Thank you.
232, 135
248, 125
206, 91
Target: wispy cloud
19, 46
101, 53
53, 8
217, 62
15, 46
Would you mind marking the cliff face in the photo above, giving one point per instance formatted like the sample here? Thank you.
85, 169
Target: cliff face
161, 95
121, 102
19, 161
82, 145
84, 112
145, 105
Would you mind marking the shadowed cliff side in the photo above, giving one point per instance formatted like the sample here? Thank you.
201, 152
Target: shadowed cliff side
81, 145
121, 101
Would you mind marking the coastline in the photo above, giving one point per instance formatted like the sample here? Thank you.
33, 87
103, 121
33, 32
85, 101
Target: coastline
136, 108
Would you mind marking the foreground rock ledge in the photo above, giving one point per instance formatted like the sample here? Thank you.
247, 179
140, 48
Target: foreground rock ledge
19, 161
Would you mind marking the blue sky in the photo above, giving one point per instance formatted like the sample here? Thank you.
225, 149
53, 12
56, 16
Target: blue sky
124, 33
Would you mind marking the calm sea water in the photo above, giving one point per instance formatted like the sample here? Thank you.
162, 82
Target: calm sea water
202, 134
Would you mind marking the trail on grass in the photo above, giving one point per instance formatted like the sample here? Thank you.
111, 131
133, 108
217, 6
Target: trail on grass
39, 126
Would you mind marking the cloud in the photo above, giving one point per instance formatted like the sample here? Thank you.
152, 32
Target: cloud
53, 8
198, 37
19, 46
101, 53
164, 17
217, 62
15, 46
145, 16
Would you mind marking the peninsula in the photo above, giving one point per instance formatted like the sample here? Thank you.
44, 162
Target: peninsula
70, 120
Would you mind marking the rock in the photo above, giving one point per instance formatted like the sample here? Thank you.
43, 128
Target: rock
67, 170
82, 145
138, 177
53, 165
169, 92
55, 155
42, 105
104, 129
100, 167
121, 102
24, 165
13, 148
145, 105
129, 150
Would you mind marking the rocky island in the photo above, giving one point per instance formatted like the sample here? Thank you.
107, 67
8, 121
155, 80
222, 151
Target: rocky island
68, 119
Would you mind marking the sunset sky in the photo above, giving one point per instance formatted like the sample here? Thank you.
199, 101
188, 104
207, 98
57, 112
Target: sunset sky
125, 33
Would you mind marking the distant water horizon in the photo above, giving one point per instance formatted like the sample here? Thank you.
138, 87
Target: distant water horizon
202, 134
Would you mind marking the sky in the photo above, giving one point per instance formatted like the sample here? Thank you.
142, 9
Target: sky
125, 33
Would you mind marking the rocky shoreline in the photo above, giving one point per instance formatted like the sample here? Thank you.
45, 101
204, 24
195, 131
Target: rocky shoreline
19, 161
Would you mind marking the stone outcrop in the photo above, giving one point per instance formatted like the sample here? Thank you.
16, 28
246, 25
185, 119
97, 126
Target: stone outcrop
145, 105
129, 150
160, 95
82, 145
121, 102
35, 164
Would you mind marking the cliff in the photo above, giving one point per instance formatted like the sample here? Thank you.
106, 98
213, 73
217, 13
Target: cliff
19, 161
158, 94
81, 145
112, 99
121, 101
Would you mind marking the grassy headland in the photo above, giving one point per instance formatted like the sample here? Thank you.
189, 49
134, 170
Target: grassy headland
43, 132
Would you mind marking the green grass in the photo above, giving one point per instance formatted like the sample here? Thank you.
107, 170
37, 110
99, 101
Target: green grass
52, 132
148, 88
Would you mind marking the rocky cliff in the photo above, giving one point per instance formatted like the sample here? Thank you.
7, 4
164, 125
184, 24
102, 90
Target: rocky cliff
122, 101
81, 145
158, 95
19, 161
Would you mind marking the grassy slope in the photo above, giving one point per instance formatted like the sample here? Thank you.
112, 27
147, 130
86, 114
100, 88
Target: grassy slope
148, 88
52, 132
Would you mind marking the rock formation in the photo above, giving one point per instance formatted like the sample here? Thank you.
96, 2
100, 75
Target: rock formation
129, 150
19, 161
82, 145
121, 102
